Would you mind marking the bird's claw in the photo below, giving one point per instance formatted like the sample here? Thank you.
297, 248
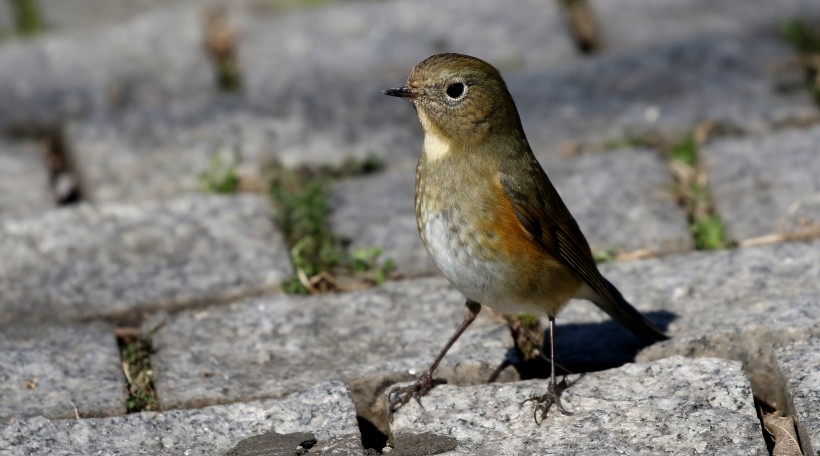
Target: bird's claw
544, 402
400, 396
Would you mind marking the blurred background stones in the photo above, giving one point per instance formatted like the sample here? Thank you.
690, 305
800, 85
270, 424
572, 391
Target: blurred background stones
176, 176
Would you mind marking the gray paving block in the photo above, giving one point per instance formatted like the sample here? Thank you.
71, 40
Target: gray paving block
672, 406
63, 16
161, 152
49, 370
152, 58
622, 200
728, 79
631, 24
709, 302
766, 185
115, 261
800, 365
269, 346
772, 270
24, 180
358, 49
379, 211
324, 410
737, 304
749, 330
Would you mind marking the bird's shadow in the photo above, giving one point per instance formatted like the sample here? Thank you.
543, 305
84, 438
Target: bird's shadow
589, 347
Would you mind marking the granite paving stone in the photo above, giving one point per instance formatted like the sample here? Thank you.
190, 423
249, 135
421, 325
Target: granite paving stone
731, 80
800, 365
115, 261
737, 304
323, 410
379, 211
633, 24
61, 16
49, 370
750, 330
282, 116
357, 49
24, 179
764, 185
622, 200
269, 346
671, 406
695, 296
152, 58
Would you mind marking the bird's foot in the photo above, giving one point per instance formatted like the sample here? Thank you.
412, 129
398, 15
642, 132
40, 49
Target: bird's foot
400, 396
544, 402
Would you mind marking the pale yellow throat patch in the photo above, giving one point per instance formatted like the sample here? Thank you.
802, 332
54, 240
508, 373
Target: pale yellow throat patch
436, 146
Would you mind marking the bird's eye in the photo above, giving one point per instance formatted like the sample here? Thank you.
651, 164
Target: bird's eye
455, 90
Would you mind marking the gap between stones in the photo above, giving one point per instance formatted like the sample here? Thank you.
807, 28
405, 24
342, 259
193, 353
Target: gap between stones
582, 25
136, 349
806, 41
321, 258
63, 176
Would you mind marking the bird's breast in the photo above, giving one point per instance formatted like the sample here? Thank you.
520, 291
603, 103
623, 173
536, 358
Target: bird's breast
472, 234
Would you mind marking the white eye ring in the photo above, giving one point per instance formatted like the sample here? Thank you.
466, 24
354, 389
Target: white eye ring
456, 90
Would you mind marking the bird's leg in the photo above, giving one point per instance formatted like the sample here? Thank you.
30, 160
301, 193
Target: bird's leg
553, 394
425, 382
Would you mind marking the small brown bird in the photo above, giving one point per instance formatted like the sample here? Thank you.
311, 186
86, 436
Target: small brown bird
489, 216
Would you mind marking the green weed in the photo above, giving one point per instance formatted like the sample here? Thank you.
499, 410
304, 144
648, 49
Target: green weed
316, 252
806, 40
705, 225
135, 352
28, 20
221, 176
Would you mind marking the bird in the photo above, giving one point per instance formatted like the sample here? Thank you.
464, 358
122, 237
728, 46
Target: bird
489, 217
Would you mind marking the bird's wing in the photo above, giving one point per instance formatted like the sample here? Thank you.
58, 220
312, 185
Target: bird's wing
542, 213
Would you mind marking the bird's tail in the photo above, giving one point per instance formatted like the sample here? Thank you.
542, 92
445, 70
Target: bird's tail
624, 313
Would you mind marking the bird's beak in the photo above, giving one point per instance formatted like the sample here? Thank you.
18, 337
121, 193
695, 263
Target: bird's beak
401, 92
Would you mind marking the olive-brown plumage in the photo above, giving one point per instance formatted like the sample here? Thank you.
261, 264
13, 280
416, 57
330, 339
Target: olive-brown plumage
487, 213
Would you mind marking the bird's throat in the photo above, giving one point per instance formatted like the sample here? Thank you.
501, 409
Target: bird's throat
436, 147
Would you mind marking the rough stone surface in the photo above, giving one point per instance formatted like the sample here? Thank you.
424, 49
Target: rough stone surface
766, 185
708, 302
748, 329
672, 406
269, 346
48, 370
731, 80
622, 200
24, 186
800, 365
282, 117
379, 211
631, 24
772, 270
114, 260
361, 48
63, 16
151, 58
161, 152
324, 410
740, 304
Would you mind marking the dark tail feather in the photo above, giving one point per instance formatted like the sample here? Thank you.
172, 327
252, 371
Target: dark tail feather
622, 311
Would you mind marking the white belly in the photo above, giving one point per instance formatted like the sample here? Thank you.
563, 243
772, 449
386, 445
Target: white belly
468, 268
